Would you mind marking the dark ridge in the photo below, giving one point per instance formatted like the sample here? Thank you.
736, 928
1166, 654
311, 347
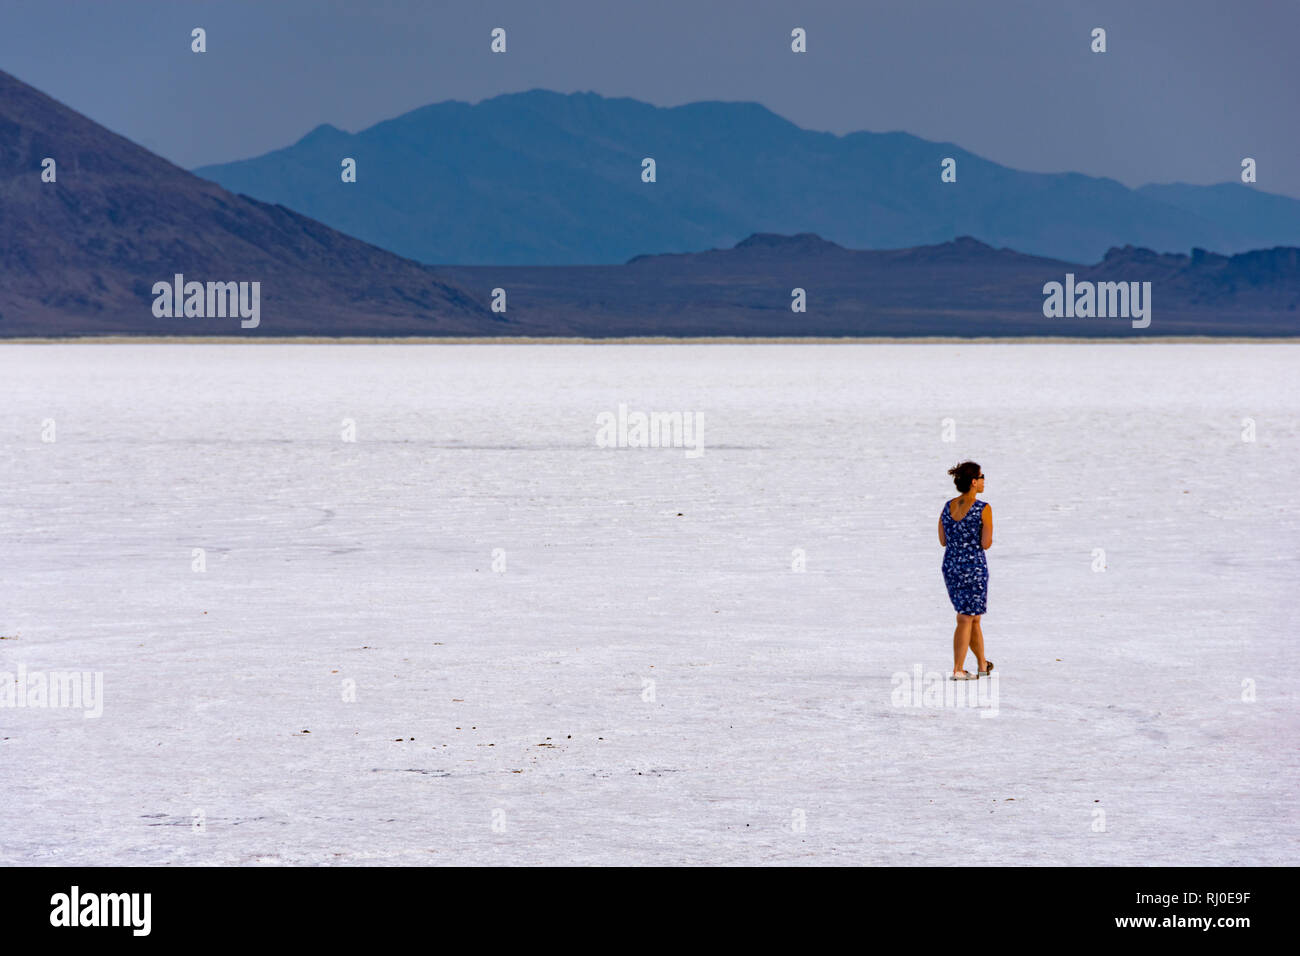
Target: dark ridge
82, 254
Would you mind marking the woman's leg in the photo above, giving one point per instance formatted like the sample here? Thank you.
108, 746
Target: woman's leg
961, 642
977, 642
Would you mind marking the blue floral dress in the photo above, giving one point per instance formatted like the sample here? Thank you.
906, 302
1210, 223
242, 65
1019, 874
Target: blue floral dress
965, 572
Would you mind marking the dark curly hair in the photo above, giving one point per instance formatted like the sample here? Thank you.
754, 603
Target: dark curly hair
964, 475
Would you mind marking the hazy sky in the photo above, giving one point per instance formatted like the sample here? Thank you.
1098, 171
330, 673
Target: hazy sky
1187, 88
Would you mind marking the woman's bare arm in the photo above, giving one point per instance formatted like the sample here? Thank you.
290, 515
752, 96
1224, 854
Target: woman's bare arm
943, 542
986, 531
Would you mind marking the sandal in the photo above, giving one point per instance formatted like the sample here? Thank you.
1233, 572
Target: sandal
985, 673
965, 675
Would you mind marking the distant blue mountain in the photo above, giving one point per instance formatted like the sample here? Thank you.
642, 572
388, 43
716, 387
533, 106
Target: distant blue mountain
543, 178
1229, 205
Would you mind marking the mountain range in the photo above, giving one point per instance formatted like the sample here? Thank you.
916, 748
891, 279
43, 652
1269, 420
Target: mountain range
959, 288
81, 254
544, 178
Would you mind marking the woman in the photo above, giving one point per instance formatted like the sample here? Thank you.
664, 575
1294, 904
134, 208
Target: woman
966, 532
